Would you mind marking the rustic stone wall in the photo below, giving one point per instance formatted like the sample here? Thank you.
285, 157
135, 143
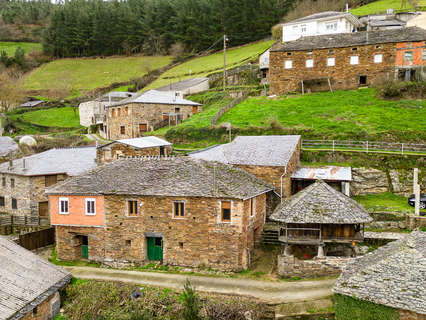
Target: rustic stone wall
289, 266
149, 114
43, 311
114, 151
410, 315
342, 76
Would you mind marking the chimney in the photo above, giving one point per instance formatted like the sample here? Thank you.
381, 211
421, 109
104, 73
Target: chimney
10, 160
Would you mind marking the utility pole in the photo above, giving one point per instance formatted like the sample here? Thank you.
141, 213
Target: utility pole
416, 189
224, 61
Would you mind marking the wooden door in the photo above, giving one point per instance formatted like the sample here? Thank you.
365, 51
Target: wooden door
85, 247
155, 249
43, 209
143, 127
194, 109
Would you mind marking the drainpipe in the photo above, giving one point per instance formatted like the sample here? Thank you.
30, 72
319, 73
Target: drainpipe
281, 180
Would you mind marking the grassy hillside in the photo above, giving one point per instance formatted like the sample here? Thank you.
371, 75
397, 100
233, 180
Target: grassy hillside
79, 75
383, 5
64, 117
10, 47
202, 66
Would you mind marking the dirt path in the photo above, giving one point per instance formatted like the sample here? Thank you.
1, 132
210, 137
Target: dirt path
268, 291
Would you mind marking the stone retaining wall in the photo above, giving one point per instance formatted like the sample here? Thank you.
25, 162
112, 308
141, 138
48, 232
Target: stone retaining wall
414, 222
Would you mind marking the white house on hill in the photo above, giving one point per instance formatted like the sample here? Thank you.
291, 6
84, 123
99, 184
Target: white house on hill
328, 22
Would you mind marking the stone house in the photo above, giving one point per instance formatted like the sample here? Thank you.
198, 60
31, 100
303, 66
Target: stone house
319, 220
29, 284
344, 61
328, 22
137, 147
148, 111
393, 276
23, 181
180, 211
7, 145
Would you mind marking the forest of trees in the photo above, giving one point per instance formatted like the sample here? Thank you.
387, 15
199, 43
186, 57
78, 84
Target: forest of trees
95, 27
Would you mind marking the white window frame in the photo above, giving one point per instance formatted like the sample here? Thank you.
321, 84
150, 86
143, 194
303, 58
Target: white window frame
354, 60
331, 26
331, 62
378, 58
59, 205
303, 28
288, 64
94, 206
411, 54
424, 54
309, 63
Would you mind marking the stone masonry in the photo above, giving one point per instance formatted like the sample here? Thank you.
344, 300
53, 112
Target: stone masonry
117, 150
46, 310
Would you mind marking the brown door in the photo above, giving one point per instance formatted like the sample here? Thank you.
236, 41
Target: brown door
194, 109
43, 209
143, 127
165, 116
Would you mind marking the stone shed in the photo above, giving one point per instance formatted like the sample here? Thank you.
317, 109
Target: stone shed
178, 211
29, 285
393, 276
137, 147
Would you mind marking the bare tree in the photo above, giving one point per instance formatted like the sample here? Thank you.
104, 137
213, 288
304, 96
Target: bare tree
10, 92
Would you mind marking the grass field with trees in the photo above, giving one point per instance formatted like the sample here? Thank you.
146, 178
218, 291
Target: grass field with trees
10, 47
381, 6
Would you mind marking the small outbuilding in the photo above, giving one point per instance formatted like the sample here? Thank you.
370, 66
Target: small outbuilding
29, 285
389, 282
7, 145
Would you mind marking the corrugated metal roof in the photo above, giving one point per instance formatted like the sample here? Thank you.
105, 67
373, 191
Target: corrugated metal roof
32, 103
329, 173
141, 143
72, 161
7, 144
157, 97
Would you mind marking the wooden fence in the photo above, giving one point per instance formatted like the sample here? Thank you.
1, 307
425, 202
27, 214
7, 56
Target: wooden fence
37, 239
228, 107
364, 146
13, 220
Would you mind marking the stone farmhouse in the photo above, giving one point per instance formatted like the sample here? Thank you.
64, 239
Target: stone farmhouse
328, 22
393, 275
316, 222
346, 60
23, 181
29, 284
7, 145
180, 211
270, 158
148, 111
137, 147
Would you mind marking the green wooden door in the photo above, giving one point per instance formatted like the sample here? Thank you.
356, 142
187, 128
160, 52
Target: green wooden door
155, 248
85, 251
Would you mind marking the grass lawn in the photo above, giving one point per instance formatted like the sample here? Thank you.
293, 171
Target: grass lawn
83, 74
58, 117
341, 115
10, 47
384, 202
202, 66
382, 5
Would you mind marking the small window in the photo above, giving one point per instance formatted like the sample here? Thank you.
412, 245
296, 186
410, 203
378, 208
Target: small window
14, 203
289, 53
128, 243
303, 28
408, 56
1, 201
354, 49
119, 111
252, 207
127, 110
143, 127
378, 58
3, 181
226, 211
35, 311
90, 207
181, 245
162, 153
354, 60
12, 183
122, 129
50, 180
158, 242
310, 63
178, 209
378, 46
309, 53
132, 208
64, 206
424, 54
288, 64
331, 62
177, 110
362, 80
331, 51
331, 26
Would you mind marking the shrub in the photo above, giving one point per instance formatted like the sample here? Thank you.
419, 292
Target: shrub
390, 89
191, 302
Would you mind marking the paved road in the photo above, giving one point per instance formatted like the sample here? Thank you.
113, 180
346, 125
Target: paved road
268, 291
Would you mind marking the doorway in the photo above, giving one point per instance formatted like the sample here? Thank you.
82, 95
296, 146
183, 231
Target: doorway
155, 248
43, 209
85, 247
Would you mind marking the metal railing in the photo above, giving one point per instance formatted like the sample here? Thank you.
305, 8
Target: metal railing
364, 146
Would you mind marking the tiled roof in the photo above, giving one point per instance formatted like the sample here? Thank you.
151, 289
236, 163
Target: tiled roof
72, 161
393, 275
177, 177
25, 280
183, 85
320, 203
156, 97
144, 142
341, 40
7, 144
252, 150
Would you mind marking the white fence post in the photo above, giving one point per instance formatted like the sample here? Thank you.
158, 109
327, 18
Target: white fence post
333, 145
367, 146
402, 148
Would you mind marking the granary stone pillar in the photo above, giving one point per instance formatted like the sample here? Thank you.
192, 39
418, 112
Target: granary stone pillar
287, 251
320, 251
345, 188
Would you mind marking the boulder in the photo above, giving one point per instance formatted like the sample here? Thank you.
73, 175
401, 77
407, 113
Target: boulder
368, 181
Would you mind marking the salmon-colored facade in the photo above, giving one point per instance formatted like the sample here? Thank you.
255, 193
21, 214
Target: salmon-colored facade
77, 215
410, 54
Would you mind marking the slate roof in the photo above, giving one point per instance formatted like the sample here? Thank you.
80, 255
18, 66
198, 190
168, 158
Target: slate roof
32, 103
72, 161
252, 150
329, 173
321, 15
7, 144
183, 85
26, 280
320, 203
393, 275
176, 177
141, 143
341, 40
156, 97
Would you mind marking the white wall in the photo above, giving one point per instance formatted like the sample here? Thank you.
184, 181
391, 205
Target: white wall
87, 110
264, 60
